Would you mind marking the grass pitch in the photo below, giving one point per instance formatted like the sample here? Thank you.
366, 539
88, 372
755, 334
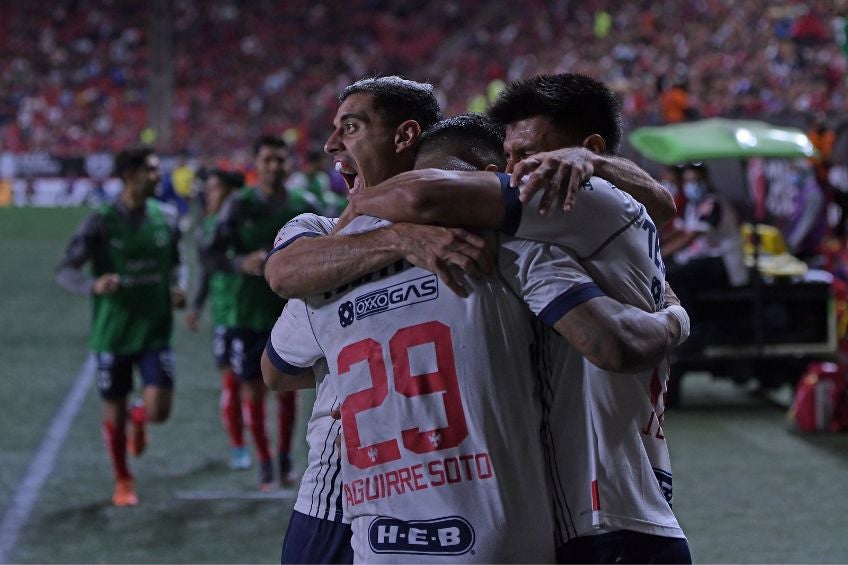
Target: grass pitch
746, 489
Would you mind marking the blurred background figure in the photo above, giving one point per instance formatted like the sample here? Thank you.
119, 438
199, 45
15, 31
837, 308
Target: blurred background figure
218, 186
313, 181
136, 278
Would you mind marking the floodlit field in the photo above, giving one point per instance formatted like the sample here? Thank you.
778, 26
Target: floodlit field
746, 490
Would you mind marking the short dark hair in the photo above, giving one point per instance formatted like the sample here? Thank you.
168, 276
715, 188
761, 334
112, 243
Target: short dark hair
473, 138
397, 99
130, 160
575, 103
230, 179
268, 141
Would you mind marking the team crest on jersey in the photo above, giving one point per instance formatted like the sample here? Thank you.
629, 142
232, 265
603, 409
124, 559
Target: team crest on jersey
443, 536
396, 296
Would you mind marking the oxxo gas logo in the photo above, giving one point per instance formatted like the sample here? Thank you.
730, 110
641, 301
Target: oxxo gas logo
664, 480
443, 536
402, 294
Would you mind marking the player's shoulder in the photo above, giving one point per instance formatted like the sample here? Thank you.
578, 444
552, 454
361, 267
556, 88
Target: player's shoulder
168, 210
604, 193
362, 224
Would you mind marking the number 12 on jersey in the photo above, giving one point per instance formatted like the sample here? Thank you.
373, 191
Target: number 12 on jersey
443, 380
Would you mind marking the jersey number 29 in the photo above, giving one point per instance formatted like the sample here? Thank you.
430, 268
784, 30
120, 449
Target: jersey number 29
442, 380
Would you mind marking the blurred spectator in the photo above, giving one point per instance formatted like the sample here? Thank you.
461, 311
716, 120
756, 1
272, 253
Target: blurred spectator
707, 251
314, 180
74, 75
794, 202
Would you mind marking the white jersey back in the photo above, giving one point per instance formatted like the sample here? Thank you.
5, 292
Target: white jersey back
621, 478
320, 492
440, 420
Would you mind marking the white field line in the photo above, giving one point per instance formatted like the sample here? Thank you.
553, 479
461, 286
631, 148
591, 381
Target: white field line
17, 513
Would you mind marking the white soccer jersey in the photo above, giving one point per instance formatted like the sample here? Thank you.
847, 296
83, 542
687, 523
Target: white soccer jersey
612, 468
320, 489
442, 458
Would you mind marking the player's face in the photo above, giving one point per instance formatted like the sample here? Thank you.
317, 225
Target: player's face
272, 166
146, 178
362, 144
216, 191
534, 135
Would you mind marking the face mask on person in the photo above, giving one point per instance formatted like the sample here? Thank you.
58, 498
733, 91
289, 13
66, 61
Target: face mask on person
694, 190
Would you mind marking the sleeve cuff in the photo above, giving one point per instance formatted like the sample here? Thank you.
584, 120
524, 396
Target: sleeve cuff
280, 363
562, 304
512, 206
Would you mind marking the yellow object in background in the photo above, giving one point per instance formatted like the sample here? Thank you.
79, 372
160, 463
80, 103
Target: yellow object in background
771, 240
5, 192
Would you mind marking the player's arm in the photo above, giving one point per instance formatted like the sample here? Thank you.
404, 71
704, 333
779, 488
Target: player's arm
83, 247
220, 243
280, 380
313, 263
559, 174
433, 196
180, 270
613, 336
620, 338
291, 352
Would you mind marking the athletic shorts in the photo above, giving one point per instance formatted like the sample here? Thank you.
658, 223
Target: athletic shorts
222, 346
314, 540
246, 347
114, 372
624, 546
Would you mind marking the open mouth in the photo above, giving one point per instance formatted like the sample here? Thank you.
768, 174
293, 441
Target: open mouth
349, 174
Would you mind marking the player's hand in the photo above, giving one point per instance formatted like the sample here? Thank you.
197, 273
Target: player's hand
178, 298
106, 284
558, 174
437, 249
347, 216
191, 320
252, 263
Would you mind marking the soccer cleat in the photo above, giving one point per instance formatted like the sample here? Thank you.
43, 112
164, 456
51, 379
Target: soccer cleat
137, 439
240, 459
124, 494
287, 479
266, 476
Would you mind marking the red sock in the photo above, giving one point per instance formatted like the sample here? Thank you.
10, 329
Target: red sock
231, 408
285, 419
256, 420
116, 445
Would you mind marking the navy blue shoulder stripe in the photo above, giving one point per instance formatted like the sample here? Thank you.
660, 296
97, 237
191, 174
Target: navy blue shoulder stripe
280, 363
512, 205
563, 303
291, 240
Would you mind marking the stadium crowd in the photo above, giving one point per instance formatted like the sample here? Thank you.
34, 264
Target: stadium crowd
73, 77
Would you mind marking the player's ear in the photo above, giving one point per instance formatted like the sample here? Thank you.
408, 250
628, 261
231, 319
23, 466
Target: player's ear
492, 168
595, 143
407, 135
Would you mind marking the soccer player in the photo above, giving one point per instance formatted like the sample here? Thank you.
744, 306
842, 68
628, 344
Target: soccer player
606, 513
317, 531
243, 234
136, 278
344, 314
219, 184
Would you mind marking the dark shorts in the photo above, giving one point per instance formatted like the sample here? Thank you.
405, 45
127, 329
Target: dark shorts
624, 546
114, 372
313, 540
222, 346
246, 347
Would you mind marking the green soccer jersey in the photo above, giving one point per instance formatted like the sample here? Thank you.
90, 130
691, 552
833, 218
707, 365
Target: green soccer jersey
138, 315
255, 223
222, 285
